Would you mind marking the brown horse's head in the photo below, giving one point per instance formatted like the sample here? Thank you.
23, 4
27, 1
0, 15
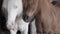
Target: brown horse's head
30, 9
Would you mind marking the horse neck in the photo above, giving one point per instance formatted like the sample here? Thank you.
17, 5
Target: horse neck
49, 11
45, 5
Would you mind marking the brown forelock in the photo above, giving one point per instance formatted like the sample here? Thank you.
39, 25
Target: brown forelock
33, 9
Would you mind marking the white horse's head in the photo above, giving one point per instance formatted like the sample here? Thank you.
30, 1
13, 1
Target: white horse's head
14, 8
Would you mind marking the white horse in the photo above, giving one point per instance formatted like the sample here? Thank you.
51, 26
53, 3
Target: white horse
13, 11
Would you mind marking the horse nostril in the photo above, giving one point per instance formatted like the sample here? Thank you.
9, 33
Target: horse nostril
25, 18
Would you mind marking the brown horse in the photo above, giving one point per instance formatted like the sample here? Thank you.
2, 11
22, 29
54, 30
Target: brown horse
30, 8
47, 19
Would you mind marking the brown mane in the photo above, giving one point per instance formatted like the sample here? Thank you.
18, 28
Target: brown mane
49, 17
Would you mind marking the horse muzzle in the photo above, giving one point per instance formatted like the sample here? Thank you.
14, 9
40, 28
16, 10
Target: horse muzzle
26, 18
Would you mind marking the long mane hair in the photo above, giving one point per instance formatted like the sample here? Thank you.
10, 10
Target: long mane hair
49, 17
